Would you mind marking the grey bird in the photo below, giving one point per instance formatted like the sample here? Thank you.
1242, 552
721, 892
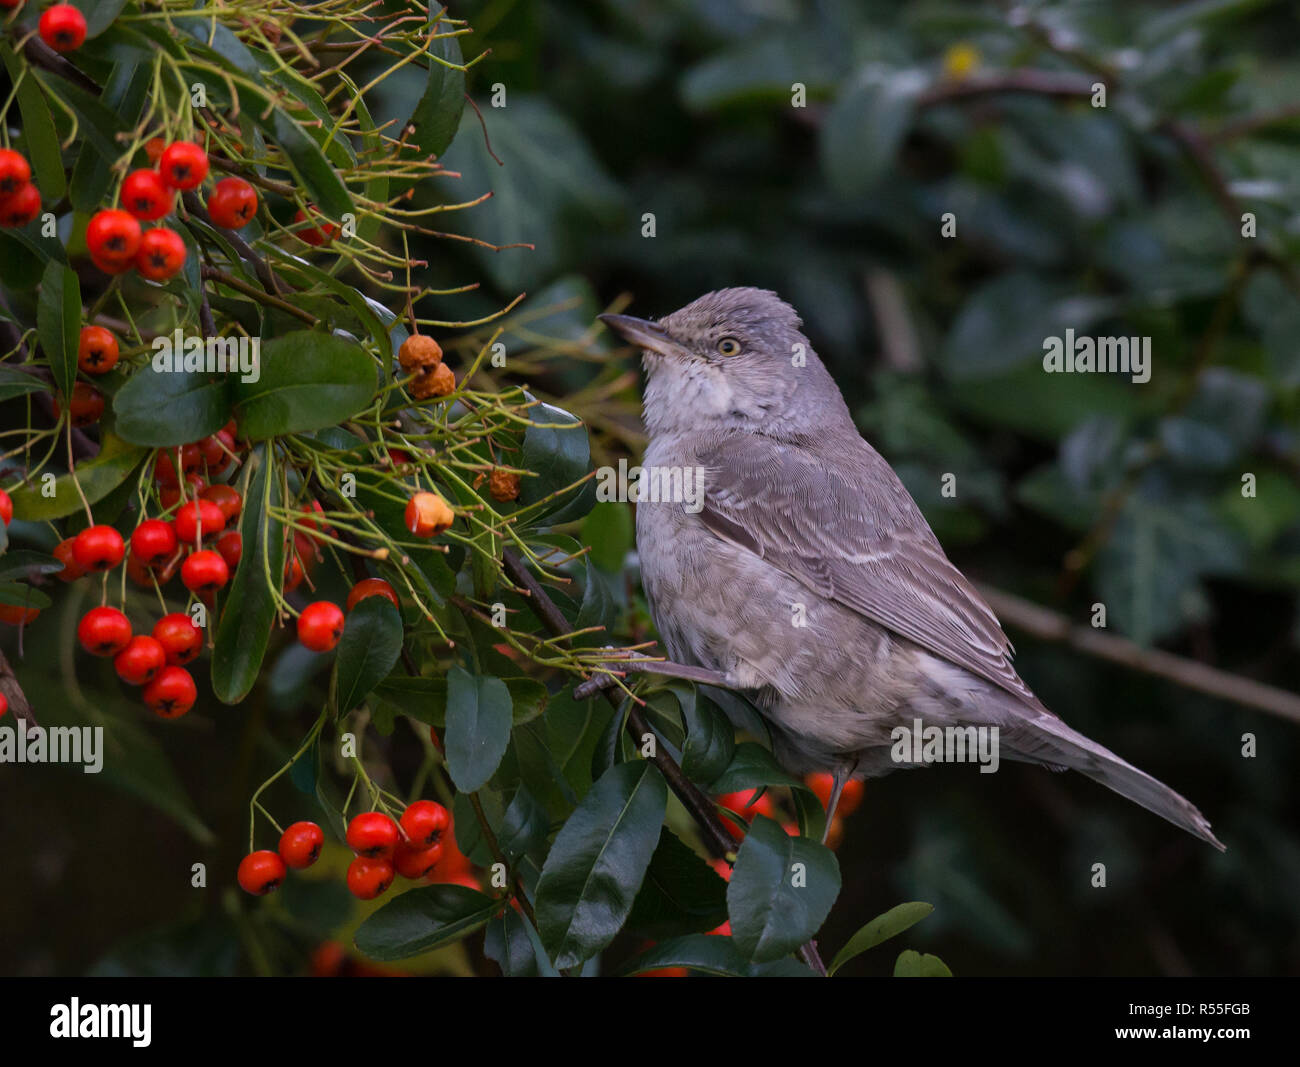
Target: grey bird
801, 519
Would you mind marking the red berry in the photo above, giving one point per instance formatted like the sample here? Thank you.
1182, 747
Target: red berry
140, 661
63, 27
164, 467
86, 407
183, 165
416, 863
180, 638
821, 784
113, 238
153, 541
292, 573
198, 515
172, 693
371, 587
300, 845
261, 872
15, 171
204, 572
104, 631
98, 548
72, 570
171, 495
216, 451
424, 823
146, 196
320, 625
18, 209
373, 835
161, 254
96, 350
231, 546
16, 614
4, 705
226, 498
314, 235
233, 203
369, 878
6, 508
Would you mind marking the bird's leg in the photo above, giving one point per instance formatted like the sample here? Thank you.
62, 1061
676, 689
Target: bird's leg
838, 777
665, 668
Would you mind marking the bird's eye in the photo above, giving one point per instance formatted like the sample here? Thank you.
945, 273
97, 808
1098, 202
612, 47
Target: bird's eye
728, 346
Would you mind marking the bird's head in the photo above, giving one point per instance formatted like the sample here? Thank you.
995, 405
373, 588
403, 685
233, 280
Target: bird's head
734, 359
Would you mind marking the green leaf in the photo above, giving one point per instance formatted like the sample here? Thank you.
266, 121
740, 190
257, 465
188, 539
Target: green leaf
314, 172
96, 124
371, 642
423, 919
436, 117
598, 609
710, 737
22, 563
865, 126
608, 530
515, 946
58, 323
100, 14
751, 767
125, 92
557, 451
162, 409
598, 861
308, 381
711, 954
912, 964
40, 138
97, 477
23, 596
524, 826
14, 382
892, 923
680, 892
250, 609
425, 699
478, 727
781, 891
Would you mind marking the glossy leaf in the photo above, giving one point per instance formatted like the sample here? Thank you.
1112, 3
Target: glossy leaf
58, 323
598, 861
371, 642
890, 924
781, 891
422, 919
478, 727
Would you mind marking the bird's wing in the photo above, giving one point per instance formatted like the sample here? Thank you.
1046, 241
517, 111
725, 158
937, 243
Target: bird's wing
869, 550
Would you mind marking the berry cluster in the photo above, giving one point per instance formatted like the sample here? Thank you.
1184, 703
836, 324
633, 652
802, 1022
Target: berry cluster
20, 200
114, 236
416, 846
421, 356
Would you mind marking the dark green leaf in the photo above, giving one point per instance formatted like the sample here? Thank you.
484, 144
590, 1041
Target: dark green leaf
751, 767
250, 609
557, 451
437, 115
39, 135
478, 727
710, 737
371, 641
598, 862
58, 323
162, 409
865, 126
308, 381
680, 892
425, 699
781, 891
524, 826
423, 919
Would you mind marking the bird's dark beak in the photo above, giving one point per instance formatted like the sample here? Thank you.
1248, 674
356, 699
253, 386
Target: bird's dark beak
643, 333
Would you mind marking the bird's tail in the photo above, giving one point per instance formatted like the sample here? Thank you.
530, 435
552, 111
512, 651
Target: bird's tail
1049, 741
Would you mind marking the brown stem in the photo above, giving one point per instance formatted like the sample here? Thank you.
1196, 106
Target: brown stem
257, 294
13, 692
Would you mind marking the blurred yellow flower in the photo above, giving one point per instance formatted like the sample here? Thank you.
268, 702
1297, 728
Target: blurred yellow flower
960, 60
